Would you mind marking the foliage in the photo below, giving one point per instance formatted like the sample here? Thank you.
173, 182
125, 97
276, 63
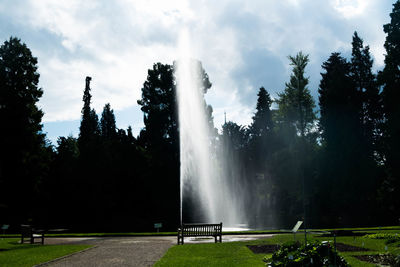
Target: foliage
25, 155
390, 238
262, 119
90, 123
347, 155
311, 254
108, 126
296, 105
389, 78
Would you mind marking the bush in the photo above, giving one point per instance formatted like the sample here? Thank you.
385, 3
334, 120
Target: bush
312, 254
390, 238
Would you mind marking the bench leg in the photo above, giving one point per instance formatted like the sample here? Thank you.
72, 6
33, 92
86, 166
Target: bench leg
180, 240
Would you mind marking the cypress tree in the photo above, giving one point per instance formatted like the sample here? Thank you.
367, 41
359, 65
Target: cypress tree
89, 128
389, 78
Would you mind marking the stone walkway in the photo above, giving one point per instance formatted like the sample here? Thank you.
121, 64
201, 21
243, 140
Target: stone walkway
127, 251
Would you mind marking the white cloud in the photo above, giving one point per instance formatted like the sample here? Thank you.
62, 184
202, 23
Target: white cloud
350, 8
115, 42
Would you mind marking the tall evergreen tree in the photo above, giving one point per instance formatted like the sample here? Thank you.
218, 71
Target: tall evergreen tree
367, 98
335, 94
296, 105
107, 123
262, 119
389, 78
89, 128
344, 164
23, 148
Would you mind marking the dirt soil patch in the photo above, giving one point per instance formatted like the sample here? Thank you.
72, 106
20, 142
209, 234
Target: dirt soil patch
382, 259
263, 249
348, 248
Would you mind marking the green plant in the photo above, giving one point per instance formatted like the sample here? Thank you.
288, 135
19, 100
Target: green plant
311, 254
390, 238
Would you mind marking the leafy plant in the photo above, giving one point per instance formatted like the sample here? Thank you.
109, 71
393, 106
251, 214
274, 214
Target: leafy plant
311, 254
390, 238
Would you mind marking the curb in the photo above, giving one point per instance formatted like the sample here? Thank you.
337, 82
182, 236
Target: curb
63, 257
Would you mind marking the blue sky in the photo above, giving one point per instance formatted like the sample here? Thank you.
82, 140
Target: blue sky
243, 45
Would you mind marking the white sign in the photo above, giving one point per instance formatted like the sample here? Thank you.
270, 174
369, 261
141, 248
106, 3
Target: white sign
297, 226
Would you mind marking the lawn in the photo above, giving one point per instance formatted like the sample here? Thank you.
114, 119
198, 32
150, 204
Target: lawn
237, 253
14, 254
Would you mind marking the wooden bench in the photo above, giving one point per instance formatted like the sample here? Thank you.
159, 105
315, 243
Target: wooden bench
29, 233
195, 230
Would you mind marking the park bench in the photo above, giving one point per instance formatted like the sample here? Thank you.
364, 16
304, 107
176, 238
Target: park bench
29, 233
196, 230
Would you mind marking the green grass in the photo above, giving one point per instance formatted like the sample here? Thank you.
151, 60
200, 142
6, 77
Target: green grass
237, 253
14, 254
221, 254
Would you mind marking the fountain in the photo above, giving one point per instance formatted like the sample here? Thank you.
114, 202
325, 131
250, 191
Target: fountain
207, 193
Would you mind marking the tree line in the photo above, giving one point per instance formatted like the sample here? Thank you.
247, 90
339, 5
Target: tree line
335, 161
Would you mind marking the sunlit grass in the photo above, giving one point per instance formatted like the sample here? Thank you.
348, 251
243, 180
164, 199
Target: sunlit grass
14, 254
237, 253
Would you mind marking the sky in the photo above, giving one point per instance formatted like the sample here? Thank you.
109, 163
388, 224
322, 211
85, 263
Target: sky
242, 45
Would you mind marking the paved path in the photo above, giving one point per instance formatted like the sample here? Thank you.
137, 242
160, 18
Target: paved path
117, 251
127, 251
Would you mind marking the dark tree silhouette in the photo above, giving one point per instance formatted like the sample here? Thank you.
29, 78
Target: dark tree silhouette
343, 158
89, 128
389, 78
262, 119
107, 123
24, 154
368, 99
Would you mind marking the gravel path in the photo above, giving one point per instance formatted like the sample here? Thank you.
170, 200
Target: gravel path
117, 251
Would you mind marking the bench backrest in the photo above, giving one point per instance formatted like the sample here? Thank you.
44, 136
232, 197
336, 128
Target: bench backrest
201, 229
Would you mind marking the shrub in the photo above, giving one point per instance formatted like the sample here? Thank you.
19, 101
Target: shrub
311, 254
390, 238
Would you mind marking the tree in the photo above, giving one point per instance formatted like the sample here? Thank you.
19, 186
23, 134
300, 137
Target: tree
107, 123
367, 98
296, 105
158, 104
234, 136
63, 180
389, 78
89, 128
24, 153
262, 119
345, 167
